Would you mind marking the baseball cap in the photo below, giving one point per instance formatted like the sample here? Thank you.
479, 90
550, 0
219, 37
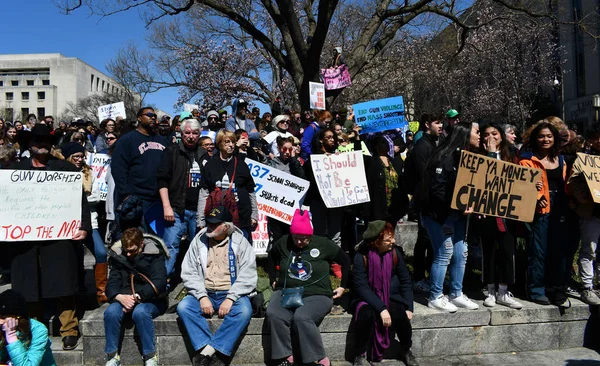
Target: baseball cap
218, 215
453, 113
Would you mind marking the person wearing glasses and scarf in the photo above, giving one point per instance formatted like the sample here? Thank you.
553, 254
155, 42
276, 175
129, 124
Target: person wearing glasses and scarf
280, 124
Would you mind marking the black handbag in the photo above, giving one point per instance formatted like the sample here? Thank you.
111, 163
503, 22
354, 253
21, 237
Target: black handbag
291, 297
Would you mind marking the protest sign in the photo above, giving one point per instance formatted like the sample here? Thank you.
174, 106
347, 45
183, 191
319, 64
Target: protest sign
278, 194
260, 236
111, 111
190, 107
336, 77
589, 167
341, 178
317, 95
380, 115
99, 165
39, 205
495, 188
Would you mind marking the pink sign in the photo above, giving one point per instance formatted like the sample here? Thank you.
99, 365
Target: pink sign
336, 77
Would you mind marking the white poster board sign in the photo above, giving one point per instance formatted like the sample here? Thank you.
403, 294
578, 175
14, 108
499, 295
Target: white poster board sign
260, 236
341, 178
39, 205
111, 111
278, 194
190, 107
99, 165
317, 95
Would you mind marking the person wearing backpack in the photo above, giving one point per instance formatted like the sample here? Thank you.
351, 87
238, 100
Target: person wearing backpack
227, 182
383, 297
136, 287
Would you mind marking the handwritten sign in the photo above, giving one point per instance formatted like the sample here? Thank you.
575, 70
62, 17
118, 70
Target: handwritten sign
39, 205
380, 115
278, 194
589, 167
260, 236
190, 107
336, 77
99, 165
495, 188
341, 178
317, 95
111, 111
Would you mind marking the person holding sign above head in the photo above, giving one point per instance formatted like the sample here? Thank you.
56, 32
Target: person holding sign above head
299, 272
547, 233
498, 242
47, 269
446, 227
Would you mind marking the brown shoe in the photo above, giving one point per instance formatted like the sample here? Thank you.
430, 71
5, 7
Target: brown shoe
101, 275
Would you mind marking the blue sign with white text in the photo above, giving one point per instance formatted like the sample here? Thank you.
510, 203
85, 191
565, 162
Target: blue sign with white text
380, 115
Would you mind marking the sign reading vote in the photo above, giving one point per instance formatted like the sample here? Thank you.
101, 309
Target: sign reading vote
589, 167
99, 165
380, 115
278, 194
111, 111
496, 188
39, 205
317, 95
341, 178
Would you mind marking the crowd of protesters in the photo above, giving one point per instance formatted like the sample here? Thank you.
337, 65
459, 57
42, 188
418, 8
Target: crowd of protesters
186, 179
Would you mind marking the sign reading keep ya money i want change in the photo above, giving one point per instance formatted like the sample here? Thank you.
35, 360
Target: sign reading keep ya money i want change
39, 205
341, 178
496, 188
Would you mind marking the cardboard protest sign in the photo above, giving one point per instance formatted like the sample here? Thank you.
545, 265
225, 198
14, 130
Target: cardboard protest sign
278, 194
495, 188
380, 115
39, 205
336, 77
190, 107
341, 178
317, 95
260, 236
589, 167
99, 165
111, 111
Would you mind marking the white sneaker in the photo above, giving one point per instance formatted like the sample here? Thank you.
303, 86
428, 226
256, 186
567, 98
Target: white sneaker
490, 300
442, 303
421, 287
508, 299
115, 361
464, 302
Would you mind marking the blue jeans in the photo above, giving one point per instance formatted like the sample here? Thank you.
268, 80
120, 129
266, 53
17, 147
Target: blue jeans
143, 315
230, 330
449, 248
173, 233
95, 244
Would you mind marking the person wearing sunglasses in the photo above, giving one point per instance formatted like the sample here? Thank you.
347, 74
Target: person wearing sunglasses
280, 125
107, 125
135, 161
214, 122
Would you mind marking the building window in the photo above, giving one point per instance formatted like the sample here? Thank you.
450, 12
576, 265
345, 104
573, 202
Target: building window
102, 85
41, 113
14, 82
24, 113
24, 95
8, 112
97, 82
29, 82
46, 82
10, 96
1, 83
92, 83
41, 95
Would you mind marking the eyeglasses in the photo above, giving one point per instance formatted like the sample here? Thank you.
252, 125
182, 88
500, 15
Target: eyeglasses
341, 140
285, 122
131, 251
110, 125
287, 149
78, 140
110, 138
212, 118
150, 115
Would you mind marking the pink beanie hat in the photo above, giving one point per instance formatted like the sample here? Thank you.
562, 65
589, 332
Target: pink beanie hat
301, 224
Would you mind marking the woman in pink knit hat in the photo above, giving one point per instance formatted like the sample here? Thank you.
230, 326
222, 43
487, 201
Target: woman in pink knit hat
303, 294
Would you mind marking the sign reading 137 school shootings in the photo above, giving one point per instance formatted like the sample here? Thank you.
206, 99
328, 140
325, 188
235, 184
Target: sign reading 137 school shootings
278, 194
39, 205
380, 115
589, 167
113, 111
495, 188
341, 178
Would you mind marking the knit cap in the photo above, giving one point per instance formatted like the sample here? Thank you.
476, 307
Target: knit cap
301, 224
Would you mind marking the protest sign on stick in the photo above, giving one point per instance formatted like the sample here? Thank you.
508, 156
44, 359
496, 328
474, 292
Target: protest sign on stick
317, 95
380, 115
190, 107
589, 167
340, 178
278, 194
99, 165
495, 188
39, 205
112, 111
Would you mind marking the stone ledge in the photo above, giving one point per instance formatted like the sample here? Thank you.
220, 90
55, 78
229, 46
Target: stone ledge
534, 313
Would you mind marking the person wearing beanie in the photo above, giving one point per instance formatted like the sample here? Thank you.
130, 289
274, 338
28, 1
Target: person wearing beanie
23, 341
303, 260
382, 296
280, 125
54, 262
214, 122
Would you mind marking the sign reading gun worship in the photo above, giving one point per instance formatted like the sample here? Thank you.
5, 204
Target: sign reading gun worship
341, 178
495, 188
39, 205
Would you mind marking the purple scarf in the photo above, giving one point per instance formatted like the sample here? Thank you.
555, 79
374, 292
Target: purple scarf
379, 280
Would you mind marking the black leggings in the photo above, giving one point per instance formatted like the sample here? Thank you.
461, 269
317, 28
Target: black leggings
498, 257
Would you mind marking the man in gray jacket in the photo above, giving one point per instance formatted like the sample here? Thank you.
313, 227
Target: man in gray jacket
219, 272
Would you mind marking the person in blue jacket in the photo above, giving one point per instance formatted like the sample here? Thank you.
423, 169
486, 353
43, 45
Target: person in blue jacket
239, 120
23, 341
